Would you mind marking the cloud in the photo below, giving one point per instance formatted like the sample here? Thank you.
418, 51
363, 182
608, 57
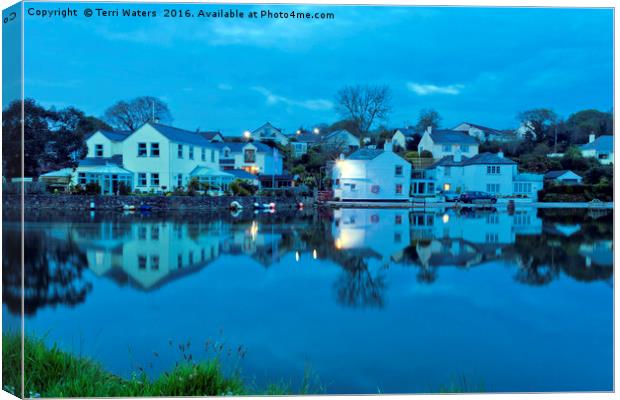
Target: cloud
428, 89
274, 99
224, 86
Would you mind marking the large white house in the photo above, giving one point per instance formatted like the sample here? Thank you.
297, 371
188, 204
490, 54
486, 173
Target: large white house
269, 132
443, 142
485, 172
601, 148
372, 174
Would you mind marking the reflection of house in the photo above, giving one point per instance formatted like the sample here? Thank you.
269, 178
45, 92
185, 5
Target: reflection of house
485, 134
372, 174
384, 231
566, 177
601, 148
599, 253
442, 143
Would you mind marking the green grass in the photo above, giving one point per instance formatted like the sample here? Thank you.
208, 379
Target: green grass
51, 372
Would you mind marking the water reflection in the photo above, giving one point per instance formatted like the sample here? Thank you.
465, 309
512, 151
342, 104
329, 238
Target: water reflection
146, 252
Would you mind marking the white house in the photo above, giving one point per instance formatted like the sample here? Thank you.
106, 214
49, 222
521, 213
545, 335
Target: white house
103, 143
485, 134
601, 148
485, 172
566, 177
254, 157
403, 135
341, 140
372, 174
442, 143
269, 132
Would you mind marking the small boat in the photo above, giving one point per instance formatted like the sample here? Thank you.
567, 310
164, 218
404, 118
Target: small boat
235, 205
265, 206
145, 207
127, 207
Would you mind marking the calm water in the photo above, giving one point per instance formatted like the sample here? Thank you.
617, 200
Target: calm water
366, 300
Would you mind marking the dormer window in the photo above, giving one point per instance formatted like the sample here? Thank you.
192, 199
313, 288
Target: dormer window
98, 150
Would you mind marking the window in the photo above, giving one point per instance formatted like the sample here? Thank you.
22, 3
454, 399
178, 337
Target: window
179, 261
180, 151
492, 238
191, 257
142, 233
446, 187
203, 154
212, 155
464, 148
446, 147
493, 169
82, 178
155, 179
154, 149
398, 171
180, 180
398, 219
141, 179
249, 155
399, 188
492, 187
226, 153
155, 263
142, 262
446, 171
141, 149
155, 232
98, 150
191, 152
398, 237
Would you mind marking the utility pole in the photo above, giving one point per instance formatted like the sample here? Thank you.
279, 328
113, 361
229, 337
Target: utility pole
152, 110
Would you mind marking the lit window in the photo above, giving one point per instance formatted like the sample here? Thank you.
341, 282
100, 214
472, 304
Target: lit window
141, 149
141, 179
155, 179
180, 151
446, 187
98, 150
154, 149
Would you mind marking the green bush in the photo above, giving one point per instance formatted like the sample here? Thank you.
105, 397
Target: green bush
92, 188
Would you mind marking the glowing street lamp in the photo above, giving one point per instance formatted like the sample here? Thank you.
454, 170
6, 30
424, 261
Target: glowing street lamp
247, 134
316, 130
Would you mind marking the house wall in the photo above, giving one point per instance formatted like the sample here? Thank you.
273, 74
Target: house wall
476, 178
399, 139
110, 147
343, 139
438, 151
268, 132
264, 161
365, 174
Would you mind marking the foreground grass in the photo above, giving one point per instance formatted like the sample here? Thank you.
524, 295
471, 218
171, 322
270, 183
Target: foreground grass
51, 372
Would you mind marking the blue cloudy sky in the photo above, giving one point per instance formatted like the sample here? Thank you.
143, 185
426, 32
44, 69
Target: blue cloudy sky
481, 65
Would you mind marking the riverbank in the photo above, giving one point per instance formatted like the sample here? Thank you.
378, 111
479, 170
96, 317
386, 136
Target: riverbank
154, 202
52, 372
440, 205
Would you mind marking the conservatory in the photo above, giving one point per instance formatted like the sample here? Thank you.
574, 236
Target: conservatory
216, 180
109, 177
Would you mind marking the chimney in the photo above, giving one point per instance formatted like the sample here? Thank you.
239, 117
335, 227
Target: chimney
388, 145
429, 129
591, 137
457, 155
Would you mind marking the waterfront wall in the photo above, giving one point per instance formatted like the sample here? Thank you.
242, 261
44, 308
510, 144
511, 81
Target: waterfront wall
75, 202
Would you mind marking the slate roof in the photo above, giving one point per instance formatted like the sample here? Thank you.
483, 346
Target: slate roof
268, 124
557, 174
181, 135
209, 135
602, 144
116, 136
483, 128
478, 159
365, 154
308, 137
96, 161
443, 136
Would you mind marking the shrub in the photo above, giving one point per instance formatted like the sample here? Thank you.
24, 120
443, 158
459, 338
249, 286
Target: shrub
426, 154
92, 188
123, 189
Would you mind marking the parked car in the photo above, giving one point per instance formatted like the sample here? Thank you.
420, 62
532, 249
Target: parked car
472, 197
449, 196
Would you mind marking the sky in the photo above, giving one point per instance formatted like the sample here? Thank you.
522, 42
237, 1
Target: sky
481, 65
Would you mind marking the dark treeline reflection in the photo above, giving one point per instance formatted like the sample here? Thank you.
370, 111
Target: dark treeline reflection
147, 251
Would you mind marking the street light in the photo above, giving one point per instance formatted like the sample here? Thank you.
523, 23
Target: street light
247, 134
316, 130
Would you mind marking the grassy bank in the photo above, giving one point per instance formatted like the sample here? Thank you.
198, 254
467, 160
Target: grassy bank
51, 372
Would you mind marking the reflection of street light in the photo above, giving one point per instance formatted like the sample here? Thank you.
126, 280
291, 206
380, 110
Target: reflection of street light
247, 134
298, 131
314, 255
297, 256
316, 130
445, 218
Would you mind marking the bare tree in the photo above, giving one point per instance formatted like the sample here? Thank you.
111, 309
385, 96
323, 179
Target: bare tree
131, 114
364, 105
428, 118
